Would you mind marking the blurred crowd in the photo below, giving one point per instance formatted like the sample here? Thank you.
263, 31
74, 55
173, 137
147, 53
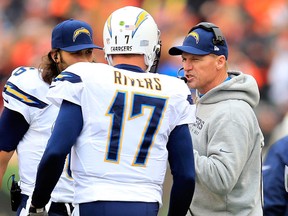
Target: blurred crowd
256, 32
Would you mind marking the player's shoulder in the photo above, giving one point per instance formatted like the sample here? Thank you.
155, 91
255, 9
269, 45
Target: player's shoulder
170, 78
28, 77
27, 86
83, 69
25, 71
173, 83
87, 66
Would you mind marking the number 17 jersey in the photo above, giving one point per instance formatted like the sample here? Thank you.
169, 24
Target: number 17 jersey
121, 152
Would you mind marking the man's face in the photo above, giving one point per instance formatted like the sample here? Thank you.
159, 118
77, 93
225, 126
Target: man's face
200, 71
69, 58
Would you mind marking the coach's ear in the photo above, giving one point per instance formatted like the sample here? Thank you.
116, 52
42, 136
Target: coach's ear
220, 63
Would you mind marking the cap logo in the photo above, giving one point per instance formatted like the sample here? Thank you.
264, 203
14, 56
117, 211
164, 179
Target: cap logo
216, 48
79, 31
195, 35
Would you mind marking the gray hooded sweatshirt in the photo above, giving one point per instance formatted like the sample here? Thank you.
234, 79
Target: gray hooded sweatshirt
227, 144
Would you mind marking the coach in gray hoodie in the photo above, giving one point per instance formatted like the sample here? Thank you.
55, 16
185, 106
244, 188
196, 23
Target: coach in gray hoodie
226, 136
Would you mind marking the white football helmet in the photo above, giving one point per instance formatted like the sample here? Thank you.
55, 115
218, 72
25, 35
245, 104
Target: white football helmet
132, 30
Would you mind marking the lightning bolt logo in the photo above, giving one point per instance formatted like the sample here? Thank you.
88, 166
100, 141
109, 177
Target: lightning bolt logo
195, 35
79, 31
139, 20
13, 91
68, 76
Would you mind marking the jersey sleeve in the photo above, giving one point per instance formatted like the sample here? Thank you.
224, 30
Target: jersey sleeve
66, 86
184, 108
188, 114
24, 92
13, 126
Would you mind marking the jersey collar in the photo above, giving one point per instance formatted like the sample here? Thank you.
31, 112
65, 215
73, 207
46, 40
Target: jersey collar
129, 67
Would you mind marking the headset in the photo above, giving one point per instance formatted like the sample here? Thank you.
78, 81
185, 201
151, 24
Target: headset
219, 38
181, 77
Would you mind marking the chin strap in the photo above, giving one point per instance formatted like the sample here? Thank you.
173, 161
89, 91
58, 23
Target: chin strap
109, 59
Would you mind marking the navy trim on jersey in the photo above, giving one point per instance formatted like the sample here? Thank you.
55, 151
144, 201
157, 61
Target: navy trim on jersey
68, 127
68, 76
18, 94
128, 67
13, 127
181, 160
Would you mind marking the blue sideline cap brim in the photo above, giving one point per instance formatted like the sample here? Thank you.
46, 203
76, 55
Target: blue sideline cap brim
178, 50
81, 47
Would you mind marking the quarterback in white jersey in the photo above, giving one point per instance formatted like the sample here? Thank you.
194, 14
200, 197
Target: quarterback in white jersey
25, 93
127, 119
123, 125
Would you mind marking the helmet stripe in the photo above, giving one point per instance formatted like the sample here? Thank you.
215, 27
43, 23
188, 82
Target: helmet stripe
140, 19
109, 25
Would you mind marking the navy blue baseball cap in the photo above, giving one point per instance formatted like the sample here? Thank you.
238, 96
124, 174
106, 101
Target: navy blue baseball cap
200, 41
72, 36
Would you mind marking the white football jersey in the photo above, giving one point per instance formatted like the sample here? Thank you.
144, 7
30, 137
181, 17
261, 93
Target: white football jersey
127, 118
25, 92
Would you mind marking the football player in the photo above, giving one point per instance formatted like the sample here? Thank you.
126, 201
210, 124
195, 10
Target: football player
124, 123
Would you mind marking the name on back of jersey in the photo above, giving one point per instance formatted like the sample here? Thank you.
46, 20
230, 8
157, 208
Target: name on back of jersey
153, 83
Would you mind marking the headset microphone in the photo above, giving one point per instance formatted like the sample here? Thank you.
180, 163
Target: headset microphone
184, 79
181, 77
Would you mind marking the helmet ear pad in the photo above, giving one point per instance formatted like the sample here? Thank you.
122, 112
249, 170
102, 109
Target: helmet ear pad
157, 51
137, 33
